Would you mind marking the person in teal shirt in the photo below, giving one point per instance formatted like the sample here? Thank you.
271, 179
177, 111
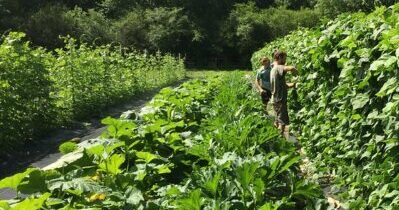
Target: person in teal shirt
262, 82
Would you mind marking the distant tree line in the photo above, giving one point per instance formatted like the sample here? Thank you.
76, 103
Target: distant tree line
205, 32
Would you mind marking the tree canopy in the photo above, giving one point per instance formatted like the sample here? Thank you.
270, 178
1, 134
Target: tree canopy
222, 31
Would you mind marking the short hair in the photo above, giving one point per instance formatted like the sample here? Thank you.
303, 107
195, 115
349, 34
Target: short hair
264, 59
278, 54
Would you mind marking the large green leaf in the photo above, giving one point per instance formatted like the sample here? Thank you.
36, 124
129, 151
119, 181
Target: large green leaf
76, 186
133, 196
117, 127
246, 172
288, 163
212, 184
192, 202
146, 156
4, 205
35, 182
388, 88
269, 206
15, 180
112, 164
32, 203
360, 101
163, 169
307, 190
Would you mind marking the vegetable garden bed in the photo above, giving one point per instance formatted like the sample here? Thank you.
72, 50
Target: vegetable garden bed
203, 145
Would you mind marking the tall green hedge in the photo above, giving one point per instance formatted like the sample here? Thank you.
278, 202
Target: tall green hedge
346, 107
41, 89
24, 91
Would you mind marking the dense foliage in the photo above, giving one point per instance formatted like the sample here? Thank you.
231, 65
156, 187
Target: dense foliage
346, 107
333, 8
25, 86
207, 32
191, 147
41, 89
249, 27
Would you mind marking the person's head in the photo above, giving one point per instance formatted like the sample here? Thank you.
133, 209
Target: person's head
280, 57
265, 61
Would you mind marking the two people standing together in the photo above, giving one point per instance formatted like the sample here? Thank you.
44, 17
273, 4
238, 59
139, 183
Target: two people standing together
271, 83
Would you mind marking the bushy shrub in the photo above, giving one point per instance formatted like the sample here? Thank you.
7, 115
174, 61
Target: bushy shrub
90, 26
282, 21
46, 26
295, 4
248, 27
68, 147
162, 29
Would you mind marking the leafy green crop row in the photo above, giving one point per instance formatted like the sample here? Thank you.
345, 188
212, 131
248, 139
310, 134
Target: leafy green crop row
40, 89
133, 160
346, 107
204, 145
248, 165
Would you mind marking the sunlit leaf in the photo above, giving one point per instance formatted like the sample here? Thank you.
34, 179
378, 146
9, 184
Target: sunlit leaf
15, 180
32, 203
112, 164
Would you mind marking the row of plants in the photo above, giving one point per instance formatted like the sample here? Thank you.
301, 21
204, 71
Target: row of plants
345, 109
203, 145
243, 162
41, 89
132, 161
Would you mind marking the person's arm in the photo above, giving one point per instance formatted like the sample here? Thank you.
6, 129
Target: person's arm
290, 69
291, 84
260, 89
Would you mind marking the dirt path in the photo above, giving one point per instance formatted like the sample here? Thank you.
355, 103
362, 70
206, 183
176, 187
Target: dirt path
45, 152
308, 169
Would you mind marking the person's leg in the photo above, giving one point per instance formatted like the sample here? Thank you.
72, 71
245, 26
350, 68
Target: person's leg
281, 128
285, 120
277, 108
286, 132
276, 111
265, 101
268, 97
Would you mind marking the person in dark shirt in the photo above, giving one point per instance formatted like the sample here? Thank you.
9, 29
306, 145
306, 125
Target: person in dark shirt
279, 90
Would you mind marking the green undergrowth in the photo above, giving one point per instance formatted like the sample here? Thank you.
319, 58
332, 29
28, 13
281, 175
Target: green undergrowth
345, 110
203, 145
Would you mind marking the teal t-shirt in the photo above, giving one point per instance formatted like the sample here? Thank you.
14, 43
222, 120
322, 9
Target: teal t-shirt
263, 75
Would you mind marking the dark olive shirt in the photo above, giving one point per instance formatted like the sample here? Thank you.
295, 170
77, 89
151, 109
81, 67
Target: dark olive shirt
278, 84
